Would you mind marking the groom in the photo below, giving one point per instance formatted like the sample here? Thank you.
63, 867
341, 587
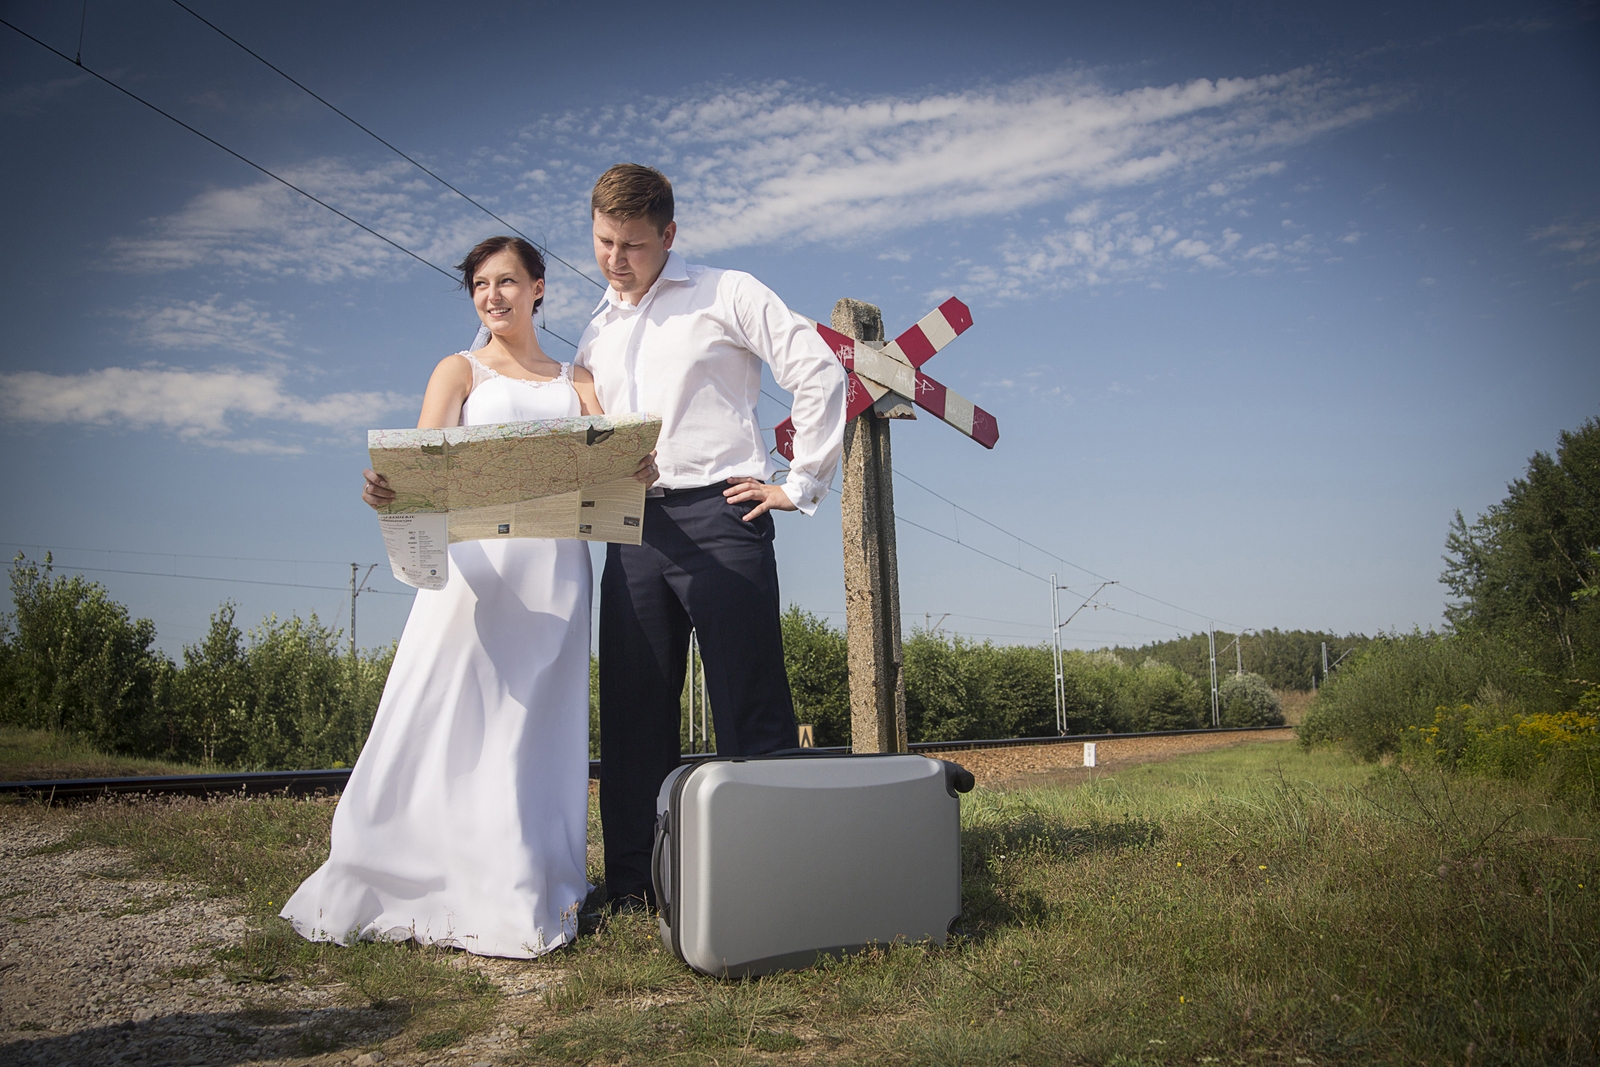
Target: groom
688, 342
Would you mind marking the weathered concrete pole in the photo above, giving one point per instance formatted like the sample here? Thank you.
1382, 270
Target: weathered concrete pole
871, 573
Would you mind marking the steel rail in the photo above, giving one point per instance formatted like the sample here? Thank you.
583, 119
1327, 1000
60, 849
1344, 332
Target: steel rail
307, 783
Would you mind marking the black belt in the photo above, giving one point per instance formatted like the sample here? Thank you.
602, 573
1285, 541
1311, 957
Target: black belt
693, 489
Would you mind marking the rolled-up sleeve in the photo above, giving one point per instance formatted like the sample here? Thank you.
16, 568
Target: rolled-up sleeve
803, 364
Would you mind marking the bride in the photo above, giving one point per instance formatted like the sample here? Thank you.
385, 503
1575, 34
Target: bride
465, 819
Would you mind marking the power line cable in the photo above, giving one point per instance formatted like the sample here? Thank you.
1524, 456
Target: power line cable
235, 581
178, 555
970, 548
1007, 563
250, 162
898, 473
1045, 551
292, 81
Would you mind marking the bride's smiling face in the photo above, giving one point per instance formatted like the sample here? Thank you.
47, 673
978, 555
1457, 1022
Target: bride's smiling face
504, 294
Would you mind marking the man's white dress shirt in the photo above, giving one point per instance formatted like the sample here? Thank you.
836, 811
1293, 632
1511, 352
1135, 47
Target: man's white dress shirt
691, 351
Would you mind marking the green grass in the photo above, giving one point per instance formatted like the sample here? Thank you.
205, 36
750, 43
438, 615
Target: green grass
32, 755
1261, 904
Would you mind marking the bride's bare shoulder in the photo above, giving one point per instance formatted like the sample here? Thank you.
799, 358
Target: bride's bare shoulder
454, 366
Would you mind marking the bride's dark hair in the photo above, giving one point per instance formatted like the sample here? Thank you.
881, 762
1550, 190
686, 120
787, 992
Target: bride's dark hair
532, 261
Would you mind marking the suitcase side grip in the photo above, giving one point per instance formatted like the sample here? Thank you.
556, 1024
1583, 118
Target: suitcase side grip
957, 779
657, 854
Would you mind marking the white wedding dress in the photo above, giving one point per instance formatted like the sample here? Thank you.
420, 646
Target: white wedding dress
465, 820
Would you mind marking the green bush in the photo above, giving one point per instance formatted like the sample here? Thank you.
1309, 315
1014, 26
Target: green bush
817, 660
72, 662
75, 663
1156, 696
289, 697
1559, 749
1247, 700
1399, 681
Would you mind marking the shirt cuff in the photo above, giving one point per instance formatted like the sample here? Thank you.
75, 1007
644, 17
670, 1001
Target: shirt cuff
805, 493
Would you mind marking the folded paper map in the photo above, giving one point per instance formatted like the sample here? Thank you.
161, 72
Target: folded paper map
550, 478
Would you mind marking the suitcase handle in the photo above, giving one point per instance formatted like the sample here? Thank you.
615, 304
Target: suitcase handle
957, 779
657, 854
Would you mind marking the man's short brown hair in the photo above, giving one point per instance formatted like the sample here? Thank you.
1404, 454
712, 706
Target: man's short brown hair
631, 191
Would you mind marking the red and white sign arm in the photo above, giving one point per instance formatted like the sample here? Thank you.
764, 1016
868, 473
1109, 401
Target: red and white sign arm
893, 368
957, 410
932, 332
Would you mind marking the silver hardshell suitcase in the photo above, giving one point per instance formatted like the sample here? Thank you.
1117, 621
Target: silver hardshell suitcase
766, 863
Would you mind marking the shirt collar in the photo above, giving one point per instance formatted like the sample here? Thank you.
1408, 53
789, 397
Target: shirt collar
676, 269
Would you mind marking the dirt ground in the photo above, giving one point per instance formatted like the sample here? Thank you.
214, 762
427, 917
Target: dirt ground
98, 966
102, 966
1040, 765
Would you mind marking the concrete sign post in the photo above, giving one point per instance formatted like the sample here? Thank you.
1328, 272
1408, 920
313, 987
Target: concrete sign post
884, 381
871, 571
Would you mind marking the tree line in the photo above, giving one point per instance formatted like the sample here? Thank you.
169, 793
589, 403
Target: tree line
1286, 659
962, 690
287, 694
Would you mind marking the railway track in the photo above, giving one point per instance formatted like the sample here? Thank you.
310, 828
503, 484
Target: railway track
306, 783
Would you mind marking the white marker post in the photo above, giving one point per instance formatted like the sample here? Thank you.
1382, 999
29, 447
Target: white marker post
1088, 754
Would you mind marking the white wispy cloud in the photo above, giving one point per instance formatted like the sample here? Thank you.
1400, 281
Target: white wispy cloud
1576, 240
773, 163
265, 228
202, 406
28, 100
1102, 246
240, 326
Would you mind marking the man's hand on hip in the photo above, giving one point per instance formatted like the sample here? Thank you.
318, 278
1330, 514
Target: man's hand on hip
768, 497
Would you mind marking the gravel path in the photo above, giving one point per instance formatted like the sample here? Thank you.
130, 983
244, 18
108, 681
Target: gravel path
99, 966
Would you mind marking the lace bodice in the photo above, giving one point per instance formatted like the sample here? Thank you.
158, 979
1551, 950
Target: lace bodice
498, 398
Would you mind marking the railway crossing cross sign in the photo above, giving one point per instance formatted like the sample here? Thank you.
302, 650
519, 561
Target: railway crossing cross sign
885, 380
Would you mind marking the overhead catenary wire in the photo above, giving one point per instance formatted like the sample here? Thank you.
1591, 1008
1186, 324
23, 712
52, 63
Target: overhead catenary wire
179, 555
235, 581
898, 473
1007, 563
331, 107
251, 163
1045, 551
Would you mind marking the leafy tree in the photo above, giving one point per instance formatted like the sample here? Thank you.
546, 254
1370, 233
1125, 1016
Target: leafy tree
212, 692
1094, 692
76, 663
1528, 568
1022, 691
1247, 700
946, 688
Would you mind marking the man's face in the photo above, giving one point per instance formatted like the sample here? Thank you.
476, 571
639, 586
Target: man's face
631, 254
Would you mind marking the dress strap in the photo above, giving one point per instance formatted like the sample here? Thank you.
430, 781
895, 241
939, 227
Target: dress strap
480, 373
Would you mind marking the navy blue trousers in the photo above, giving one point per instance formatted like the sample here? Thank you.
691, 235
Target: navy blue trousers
700, 566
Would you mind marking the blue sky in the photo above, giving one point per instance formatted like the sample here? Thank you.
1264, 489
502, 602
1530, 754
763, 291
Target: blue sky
1261, 296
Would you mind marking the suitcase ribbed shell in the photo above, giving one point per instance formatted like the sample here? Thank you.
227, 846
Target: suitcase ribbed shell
764, 864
